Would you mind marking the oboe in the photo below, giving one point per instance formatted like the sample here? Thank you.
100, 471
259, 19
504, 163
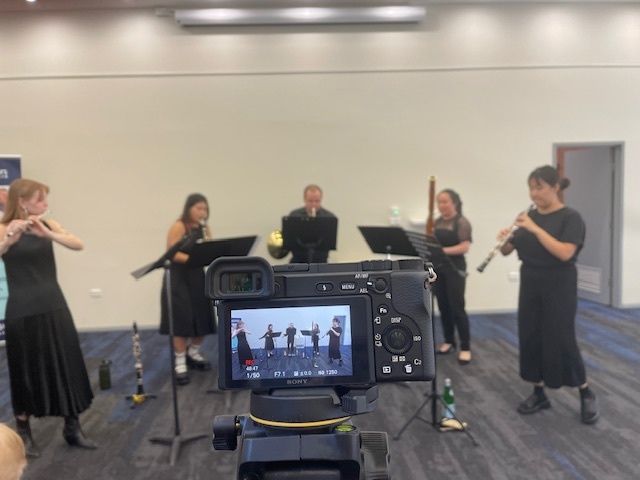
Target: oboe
501, 243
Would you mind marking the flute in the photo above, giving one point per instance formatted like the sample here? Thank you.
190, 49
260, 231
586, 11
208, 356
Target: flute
501, 243
30, 222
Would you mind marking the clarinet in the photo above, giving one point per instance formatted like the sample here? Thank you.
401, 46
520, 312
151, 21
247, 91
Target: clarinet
501, 243
137, 355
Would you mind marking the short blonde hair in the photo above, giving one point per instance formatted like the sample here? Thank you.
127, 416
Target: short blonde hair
12, 454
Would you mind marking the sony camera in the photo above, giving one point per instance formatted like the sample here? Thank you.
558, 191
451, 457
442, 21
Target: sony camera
316, 325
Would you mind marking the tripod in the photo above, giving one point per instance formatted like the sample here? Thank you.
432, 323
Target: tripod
177, 440
434, 396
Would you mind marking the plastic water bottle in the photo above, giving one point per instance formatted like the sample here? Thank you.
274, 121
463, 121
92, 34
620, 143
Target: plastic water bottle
447, 397
394, 216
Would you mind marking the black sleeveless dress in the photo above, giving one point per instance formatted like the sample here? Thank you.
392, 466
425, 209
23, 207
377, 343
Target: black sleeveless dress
46, 368
192, 310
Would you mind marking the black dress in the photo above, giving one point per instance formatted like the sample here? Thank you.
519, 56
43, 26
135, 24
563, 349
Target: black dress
451, 284
547, 303
244, 350
334, 343
192, 310
268, 341
46, 368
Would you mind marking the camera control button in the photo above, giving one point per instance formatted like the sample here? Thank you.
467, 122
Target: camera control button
408, 368
378, 336
386, 369
383, 309
397, 339
324, 287
380, 285
347, 286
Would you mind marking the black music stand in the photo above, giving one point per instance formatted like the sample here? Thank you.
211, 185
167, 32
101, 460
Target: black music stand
305, 334
389, 241
395, 240
311, 234
164, 261
274, 336
204, 252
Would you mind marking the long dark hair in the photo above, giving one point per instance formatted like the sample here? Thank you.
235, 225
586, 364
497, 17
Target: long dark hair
548, 175
190, 202
455, 198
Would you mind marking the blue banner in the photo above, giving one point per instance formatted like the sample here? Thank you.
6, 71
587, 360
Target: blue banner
9, 171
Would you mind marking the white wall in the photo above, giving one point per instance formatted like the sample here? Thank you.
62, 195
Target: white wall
124, 114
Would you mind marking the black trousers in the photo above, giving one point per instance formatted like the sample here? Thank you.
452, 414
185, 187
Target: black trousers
449, 290
547, 306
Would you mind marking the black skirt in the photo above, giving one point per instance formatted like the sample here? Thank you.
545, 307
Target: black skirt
192, 310
46, 368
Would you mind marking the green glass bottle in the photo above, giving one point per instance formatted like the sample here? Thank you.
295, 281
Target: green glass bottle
447, 397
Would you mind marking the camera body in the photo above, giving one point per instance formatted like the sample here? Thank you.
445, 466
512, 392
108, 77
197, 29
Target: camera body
316, 325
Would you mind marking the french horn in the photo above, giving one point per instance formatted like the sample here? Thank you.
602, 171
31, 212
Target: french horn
275, 245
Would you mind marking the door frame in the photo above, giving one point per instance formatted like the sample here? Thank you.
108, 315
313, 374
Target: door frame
558, 151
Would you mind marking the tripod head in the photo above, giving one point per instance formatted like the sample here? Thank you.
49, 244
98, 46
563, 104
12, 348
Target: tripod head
304, 434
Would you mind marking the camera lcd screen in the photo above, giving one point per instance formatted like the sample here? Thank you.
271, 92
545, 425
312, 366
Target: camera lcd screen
279, 343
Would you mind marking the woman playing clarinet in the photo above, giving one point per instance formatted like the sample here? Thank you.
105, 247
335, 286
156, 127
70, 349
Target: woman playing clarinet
548, 242
268, 341
334, 341
453, 231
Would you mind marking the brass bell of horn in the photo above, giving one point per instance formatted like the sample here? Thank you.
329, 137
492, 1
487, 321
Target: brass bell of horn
275, 245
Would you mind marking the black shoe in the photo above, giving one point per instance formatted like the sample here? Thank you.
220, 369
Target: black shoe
182, 378
74, 435
198, 364
24, 430
589, 409
534, 403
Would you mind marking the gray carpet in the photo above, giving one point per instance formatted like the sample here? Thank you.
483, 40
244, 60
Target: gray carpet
552, 444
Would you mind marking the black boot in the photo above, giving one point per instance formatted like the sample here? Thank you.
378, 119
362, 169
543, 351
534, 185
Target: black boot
74, 435
588, 406
24, 430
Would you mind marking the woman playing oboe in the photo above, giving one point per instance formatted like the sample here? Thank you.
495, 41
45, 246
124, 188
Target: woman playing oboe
453, 231
548, 242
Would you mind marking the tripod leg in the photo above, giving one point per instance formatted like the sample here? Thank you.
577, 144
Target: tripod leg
415, 415
460, 422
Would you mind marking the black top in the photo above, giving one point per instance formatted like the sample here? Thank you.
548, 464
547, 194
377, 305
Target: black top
31, 278
291, 333
452, 232
565, 225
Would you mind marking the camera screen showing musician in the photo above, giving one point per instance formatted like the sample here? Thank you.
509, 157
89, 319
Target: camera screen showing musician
291, 342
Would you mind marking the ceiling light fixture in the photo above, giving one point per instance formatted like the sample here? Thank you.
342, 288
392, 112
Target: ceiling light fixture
299, 15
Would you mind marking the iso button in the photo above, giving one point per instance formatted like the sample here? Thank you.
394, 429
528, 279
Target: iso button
324, 287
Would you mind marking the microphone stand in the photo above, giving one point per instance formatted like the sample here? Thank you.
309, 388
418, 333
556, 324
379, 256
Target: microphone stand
177, 439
